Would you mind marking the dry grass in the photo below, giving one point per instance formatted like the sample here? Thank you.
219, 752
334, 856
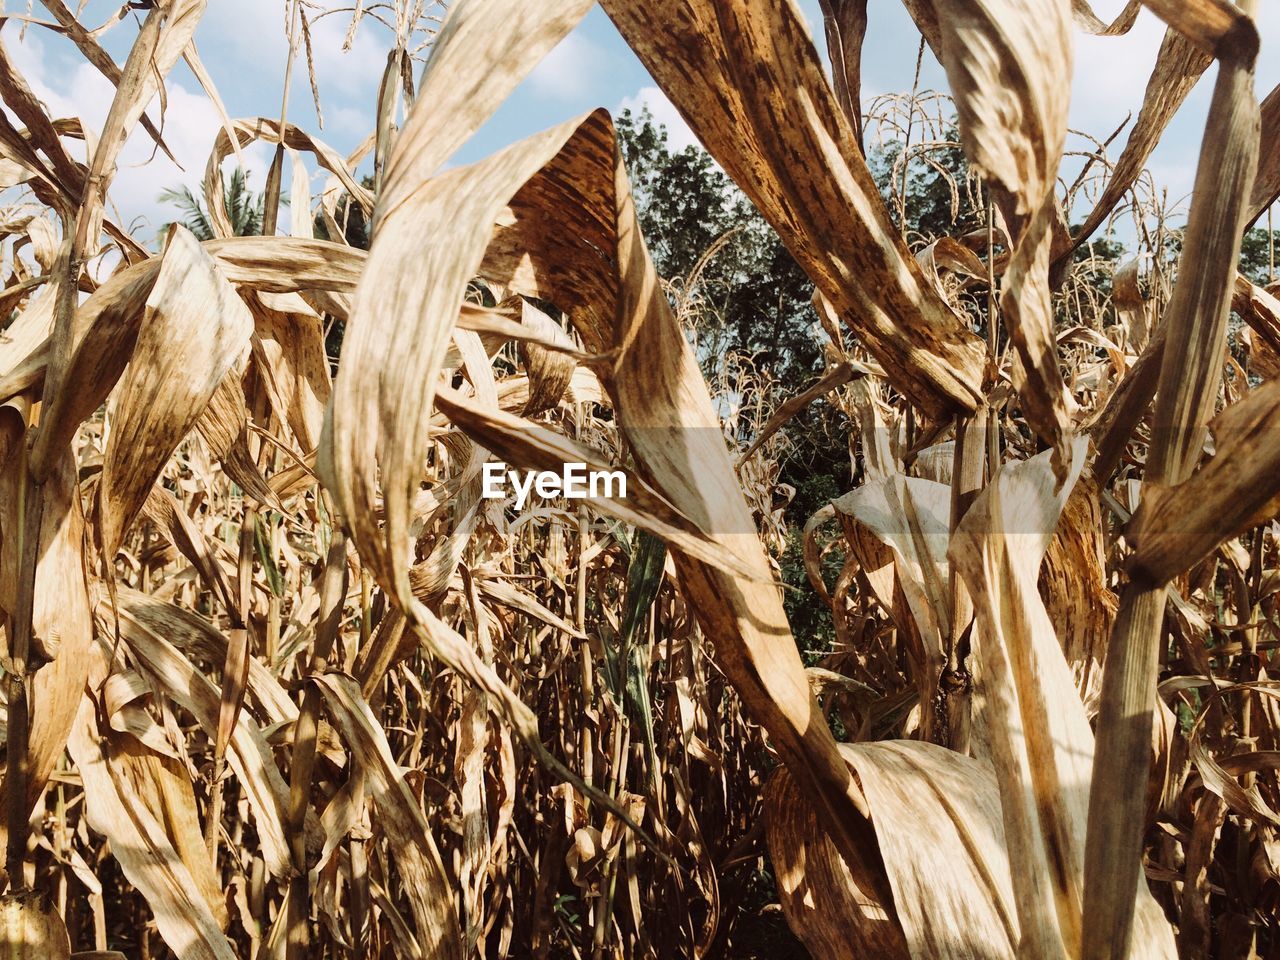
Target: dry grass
279, 682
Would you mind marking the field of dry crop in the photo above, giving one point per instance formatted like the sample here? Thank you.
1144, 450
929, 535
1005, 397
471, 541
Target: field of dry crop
279, 682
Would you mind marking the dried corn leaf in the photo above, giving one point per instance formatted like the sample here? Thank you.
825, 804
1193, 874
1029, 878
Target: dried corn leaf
1260, 309
164, 35
1266, 184
1009, 64
93, 52
1088, 21
198, 639
143, 849
912, 516
195, 328
953, 894
1035, 724
23, 338
161, 788
224, 427
376, 427
30, 929
1073, 584
549, 371
60, 618
925, 16
1246, 800
947, 253
292, 138
535, 447
845, 25
833, 379
107, 322
289, 346
597, 271
124, 697
68, 175
1179, 66
669, 421
249, 755
1237, 489
776, 129
1217, 26
417, 858
172, 521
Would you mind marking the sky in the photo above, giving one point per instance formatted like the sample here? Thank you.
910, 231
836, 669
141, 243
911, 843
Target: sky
242, 44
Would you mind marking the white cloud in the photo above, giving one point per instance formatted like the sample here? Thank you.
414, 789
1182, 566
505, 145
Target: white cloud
679, 135
246, 38
348, 121
252, 33
570, 71
1111, 74
349, 74
189, 127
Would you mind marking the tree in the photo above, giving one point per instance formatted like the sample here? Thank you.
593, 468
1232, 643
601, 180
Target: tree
244, 207
707, 238
1257, 256
754, 300
350, 218
933, 196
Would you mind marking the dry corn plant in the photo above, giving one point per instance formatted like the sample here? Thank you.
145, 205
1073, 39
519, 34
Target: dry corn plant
281, 682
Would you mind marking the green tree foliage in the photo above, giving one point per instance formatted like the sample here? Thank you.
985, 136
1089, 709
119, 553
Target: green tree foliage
934, 197
349, 216
1258, 252
706, 236
243, 206
754, 300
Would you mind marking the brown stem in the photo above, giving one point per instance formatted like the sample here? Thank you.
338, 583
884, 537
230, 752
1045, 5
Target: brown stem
333, 592
1188, 387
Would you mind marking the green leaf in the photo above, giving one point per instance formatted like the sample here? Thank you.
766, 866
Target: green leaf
263, 548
